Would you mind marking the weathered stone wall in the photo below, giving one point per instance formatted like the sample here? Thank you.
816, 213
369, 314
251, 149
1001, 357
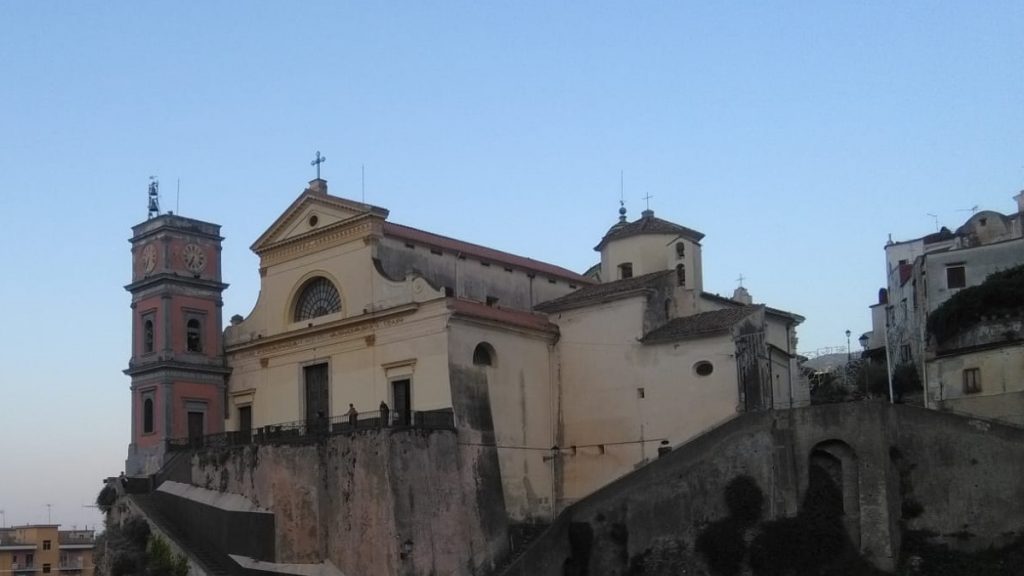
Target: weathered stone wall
962, 477
378, 502
902, 472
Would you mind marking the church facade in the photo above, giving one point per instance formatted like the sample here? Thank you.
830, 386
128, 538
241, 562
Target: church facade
574, 379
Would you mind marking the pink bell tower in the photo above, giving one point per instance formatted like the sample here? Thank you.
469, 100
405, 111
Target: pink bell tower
177, 368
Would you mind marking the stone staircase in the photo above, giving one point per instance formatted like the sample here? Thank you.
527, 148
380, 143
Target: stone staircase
213, 562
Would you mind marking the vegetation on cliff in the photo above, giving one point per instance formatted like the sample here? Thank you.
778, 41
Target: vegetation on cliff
1000, 294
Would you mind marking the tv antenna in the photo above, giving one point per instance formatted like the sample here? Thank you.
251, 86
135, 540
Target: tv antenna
49, 508
3, 519
936, 218
154, 197
972, 209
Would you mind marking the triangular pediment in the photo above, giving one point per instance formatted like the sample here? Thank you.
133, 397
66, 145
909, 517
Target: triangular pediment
310, 212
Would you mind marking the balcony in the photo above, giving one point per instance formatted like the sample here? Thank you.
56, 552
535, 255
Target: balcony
22, 567
72, 564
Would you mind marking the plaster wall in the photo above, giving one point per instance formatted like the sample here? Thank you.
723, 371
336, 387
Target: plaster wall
978, 263
471, 277
619, 399
1001, 372
379, 502
521, 394
362, 360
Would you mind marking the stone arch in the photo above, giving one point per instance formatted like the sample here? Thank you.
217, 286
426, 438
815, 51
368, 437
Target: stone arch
839, 462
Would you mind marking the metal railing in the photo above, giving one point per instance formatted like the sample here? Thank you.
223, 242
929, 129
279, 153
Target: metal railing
72, 564
23, 566
313, 429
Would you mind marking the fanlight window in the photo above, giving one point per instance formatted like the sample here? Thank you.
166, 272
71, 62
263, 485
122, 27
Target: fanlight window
318, 298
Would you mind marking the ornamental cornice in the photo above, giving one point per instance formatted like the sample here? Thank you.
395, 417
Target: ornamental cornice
316, 240
331, 331
172, 278
172, 367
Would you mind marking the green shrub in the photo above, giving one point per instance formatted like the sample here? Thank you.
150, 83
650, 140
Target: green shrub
1002, 292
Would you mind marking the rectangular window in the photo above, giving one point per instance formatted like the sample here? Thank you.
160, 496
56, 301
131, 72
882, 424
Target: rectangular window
905, 353
492, 300
46, 568
956, 276
46, 544
972, 381
625, 270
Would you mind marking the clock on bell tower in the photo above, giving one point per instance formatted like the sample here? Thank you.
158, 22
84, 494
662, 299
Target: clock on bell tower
177, 367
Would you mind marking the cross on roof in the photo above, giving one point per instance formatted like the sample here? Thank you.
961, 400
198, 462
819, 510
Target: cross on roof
319, 160
648, 200
741, 279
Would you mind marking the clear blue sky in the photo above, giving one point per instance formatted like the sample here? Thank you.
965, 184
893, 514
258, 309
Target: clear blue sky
796, 135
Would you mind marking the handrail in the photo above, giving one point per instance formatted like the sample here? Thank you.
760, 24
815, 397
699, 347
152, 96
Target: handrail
309, 430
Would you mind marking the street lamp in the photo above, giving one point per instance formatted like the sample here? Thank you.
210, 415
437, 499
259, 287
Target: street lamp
847, 346
864, 341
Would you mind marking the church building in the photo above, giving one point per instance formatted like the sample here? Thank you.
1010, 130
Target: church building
575, 379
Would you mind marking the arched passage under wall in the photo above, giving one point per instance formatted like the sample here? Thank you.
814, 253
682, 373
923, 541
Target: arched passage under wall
838, 462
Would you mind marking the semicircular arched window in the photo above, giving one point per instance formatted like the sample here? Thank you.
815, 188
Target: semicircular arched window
318, 297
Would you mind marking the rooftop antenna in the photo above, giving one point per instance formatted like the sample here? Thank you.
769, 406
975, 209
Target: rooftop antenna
154, 197
936, 218
177, 198
362, 171
972, 209
48, 509
3, 519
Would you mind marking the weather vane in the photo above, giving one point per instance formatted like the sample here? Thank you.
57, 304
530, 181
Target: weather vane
319, 160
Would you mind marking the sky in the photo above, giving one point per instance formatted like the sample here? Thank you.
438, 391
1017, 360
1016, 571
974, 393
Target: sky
796, 135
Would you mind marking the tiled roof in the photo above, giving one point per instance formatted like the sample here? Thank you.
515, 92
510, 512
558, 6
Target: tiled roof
768, 309
648, 224
603, 292
697, 325
519, 318
482, 252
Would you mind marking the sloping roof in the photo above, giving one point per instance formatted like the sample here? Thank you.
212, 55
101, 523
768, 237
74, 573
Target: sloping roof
315, 195
482, 252
597, 293
796, 318
698, 325
648, 224
519, 318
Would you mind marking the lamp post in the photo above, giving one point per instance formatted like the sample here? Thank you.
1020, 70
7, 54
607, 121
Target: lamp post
864, 342
847, 346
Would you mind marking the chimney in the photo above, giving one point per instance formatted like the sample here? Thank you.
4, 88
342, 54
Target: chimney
742, 296
318, 186
1020, 202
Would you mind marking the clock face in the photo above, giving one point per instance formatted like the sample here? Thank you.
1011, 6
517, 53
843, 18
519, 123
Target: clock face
194, 258
149, 258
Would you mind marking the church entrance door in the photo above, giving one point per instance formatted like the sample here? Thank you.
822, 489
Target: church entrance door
317, 410
403, 402
195, 428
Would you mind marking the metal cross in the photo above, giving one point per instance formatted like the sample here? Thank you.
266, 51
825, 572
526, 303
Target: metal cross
740, 280
648, 200
319, 160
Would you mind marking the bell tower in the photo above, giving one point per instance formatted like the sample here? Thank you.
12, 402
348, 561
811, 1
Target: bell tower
177, 367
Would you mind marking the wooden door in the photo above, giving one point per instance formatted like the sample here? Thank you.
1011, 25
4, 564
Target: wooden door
317, 409
403, 403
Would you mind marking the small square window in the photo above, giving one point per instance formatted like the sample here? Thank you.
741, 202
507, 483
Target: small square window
46, 568
640, 392
956, 276
625, 270
46, 544
972, 381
